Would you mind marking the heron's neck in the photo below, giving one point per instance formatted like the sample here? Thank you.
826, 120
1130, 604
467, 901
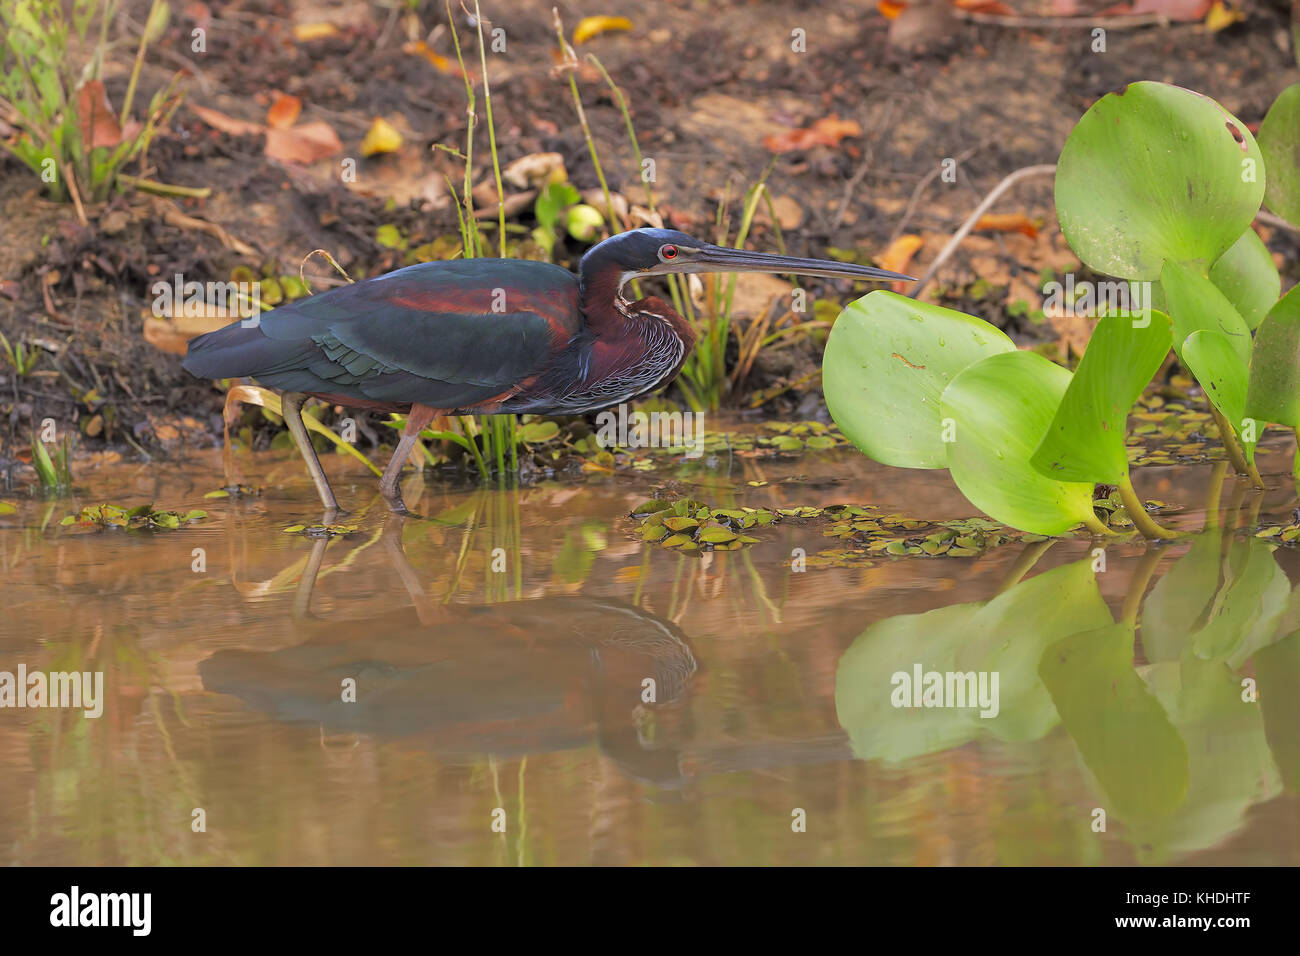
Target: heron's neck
611, 315
653, 309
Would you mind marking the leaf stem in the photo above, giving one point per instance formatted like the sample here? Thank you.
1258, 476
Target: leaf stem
1024, 563
1094, 525
492, 134
1233, 448
135, 72
1214, 495
164, 189
1138, 585
1138, 512
569, 65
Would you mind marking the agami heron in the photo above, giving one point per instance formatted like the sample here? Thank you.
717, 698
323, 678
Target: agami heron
483, 336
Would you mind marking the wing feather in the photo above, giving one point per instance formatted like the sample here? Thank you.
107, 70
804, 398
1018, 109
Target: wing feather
445, 334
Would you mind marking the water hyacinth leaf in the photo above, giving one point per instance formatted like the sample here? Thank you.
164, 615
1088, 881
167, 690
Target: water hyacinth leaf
1273, 394
1230, 767
1085, 441
865, 684
1279, 142
1122, 732
1217, 605
1244, 615
680, 524
1277, 668
887, 362
1008, 635
1247, 277
1000, 408
1180, 601
1214, 361
1155, 172
1195, 303
877, 706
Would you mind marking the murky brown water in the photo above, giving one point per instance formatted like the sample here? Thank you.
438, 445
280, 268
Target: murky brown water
521, 689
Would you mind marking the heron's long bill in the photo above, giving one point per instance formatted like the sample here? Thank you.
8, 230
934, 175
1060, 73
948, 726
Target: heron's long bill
722, 259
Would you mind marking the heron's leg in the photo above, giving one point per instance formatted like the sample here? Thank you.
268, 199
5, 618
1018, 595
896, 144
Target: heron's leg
425, 609
416, 422
307, 583
291, 405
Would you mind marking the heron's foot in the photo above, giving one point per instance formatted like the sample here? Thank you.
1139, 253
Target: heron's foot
396, 505
333, 515
401, 511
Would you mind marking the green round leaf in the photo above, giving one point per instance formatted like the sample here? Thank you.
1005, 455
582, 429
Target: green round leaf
1279, 142
1245, 274
888, 360
867, 679
1195, 303
1273, 394
875, 681
1086, 439
999, 409
1156, 172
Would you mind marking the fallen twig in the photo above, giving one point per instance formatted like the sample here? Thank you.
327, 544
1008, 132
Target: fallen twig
1114, 22
172, 215
974, 217
925, 181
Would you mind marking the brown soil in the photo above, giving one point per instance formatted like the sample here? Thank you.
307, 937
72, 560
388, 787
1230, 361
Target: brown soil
706, 83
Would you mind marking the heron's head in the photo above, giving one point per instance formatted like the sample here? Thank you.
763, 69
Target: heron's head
651, 252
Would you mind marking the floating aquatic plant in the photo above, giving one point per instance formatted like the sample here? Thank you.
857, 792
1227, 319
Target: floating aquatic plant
1154, 183
320, 530
139, 518
687, 524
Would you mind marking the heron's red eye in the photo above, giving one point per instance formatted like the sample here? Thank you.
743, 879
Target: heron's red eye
667, 252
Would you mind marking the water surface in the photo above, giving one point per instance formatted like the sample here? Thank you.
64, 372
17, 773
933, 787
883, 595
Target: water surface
502, 648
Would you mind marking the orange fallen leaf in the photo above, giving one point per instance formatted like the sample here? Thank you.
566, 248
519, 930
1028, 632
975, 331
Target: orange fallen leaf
98, 124
589, 27
303, 144
284, 111
436, 60
226, 124
890, 9
628, 575
306, 32
198, 11
899, 253
827, 131
1007, 222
